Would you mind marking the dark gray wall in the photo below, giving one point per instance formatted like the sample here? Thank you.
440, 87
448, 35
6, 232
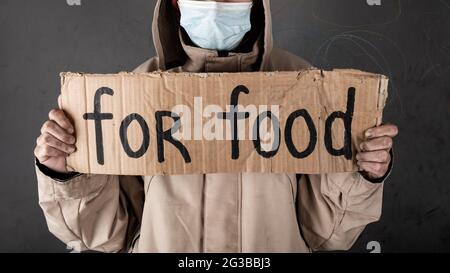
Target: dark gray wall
407, 40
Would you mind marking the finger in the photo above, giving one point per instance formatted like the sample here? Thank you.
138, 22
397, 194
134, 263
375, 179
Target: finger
46, 151
58, 116
374, 169
59, 102
54, 129
381, 143
38, 155
389, 130
48, 139
381, 156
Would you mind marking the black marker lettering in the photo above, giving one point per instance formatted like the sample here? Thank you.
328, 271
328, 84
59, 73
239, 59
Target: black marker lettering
234, 116
98, 116
162, 135
275, 126
312, 134
124, 136
347, 117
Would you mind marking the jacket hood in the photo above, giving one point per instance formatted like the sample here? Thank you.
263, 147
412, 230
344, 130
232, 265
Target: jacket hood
165, 29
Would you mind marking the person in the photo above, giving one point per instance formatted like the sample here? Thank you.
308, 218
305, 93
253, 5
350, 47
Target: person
241, 212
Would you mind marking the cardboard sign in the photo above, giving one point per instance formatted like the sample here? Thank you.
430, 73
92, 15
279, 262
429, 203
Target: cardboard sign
183, 123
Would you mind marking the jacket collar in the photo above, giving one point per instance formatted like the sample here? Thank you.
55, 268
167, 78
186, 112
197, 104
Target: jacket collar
205, 60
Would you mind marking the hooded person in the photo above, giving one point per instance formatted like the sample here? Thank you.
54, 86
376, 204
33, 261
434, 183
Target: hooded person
242, 212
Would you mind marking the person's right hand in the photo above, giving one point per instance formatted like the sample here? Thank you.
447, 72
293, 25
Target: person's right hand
56, 142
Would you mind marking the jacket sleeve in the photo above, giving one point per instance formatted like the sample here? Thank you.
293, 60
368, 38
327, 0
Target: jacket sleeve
92, 212
335, 208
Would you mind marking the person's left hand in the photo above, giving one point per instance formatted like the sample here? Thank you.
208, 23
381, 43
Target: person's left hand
375, 157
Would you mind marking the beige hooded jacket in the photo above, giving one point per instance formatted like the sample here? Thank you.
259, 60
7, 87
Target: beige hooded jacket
241, 212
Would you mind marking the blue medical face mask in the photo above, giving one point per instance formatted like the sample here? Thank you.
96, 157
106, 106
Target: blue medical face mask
215, 25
